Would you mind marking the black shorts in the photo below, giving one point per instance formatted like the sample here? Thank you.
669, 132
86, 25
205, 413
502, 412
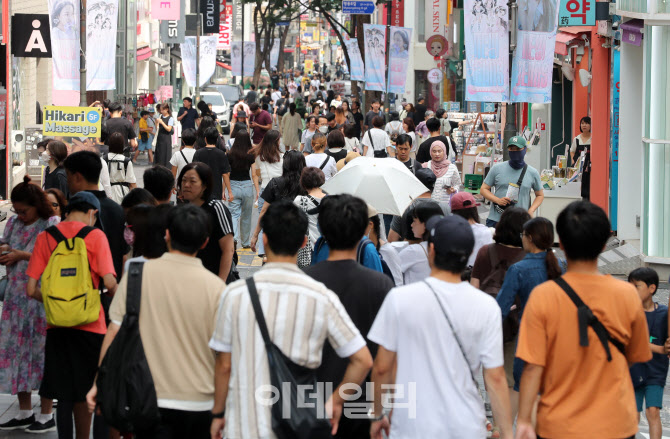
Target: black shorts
70, 363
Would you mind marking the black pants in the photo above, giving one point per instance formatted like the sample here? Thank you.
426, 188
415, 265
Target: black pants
179, 424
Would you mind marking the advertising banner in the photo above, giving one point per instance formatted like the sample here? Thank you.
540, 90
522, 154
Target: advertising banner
72, 121
101, 18
237, 18
249, 58
31, 36
375, 57
577, 13
397, 13
274, 53
436, 17
207, 59
210, 16
399, 58
225, 26
174, 31
614, 138
165, 9
487, 48
64, 18
356, 69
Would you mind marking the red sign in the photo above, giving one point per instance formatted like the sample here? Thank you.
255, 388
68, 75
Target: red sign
225, 25
161, 73
397, 14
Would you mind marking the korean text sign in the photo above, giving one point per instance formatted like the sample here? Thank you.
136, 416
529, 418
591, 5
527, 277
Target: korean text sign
577, 13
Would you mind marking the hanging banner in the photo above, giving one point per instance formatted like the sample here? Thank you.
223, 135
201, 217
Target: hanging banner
487, 47
31, 36
174, 31
534, 56
397, 13
436, 17
356, 69
101, 17
274, 54
249, 58
166, 9
614, 138
207, 59
225, 26
210, 16
375, 56
399, 58
64, 18
237, 19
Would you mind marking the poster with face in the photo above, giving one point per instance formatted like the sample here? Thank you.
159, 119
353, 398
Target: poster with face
399, 58
207, 63
64, 18
375, 56
101, 18
356, 69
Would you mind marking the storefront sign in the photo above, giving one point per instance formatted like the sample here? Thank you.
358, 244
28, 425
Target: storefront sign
165, 9
174, 31
632, 32
436, 17
225, 26
210, 16
489, 107
437, 46
397, 13
435, 76
31, 36
614, 138
237, 18
72, 121
454, 107
577, 13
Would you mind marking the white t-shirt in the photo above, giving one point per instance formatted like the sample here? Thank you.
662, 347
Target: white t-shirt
396, 126
414, 262
317, 159
483, 236
380, 140
269, 170
307, 203
415, 144
412, 324
178, 159
582, 141
393, 261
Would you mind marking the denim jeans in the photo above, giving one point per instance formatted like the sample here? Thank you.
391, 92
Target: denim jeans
240, 209
259, 246
491, 223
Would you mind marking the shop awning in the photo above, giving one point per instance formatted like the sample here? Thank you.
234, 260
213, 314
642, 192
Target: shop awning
144, 53
566, 35
160, 61
632, 32
223, 65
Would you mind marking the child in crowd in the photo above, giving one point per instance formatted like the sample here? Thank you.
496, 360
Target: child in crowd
649, 378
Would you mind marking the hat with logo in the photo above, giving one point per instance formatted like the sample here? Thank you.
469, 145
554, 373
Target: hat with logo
151, 110
451, 235
84, 197
463, 200
517, 141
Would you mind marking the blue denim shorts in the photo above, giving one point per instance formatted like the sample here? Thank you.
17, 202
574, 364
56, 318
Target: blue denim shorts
652, 394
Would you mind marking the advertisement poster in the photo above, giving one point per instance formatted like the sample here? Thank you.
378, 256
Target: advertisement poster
274, 54
249, 58
487, 47
399, 58
375, 57
207, 58
64, 17
356, 69
72, 121
225, 26
165, 9
534, 57
614, 136
101, 17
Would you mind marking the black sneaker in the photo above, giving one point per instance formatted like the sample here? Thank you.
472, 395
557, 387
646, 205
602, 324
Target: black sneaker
17, 424
38, 427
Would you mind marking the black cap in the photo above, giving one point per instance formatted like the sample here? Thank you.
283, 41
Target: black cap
451, 235
426, 177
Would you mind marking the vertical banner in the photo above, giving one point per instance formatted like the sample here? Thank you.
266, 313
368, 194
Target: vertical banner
166, 9
274, 54
237, 18
487, 48
534, 57
399, 58
375, 56
397, 13
249, 58
236, 58
101, 17
614, 135
210, 16
64, 18
207, 58
174, 31
225, 25
356, 69
436, 17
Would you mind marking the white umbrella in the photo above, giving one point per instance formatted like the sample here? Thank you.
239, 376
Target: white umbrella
385, 184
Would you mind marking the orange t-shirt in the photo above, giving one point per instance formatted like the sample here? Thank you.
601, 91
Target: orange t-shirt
582, 394
99, 258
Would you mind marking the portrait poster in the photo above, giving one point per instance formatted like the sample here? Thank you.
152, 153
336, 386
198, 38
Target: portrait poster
274, 54
375, 56
487, 47
101, 18
399, 58
207, 58
356, 69
64, 21
249, 58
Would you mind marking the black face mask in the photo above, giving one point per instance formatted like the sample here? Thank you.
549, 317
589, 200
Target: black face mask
516, 159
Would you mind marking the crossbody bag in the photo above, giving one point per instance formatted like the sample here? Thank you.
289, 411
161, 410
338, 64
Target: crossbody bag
378, 154
500, 209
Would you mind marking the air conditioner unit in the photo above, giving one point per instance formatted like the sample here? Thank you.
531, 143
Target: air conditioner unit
18, 141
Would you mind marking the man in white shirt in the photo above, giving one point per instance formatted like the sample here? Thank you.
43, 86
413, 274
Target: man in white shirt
439, 333
376, 143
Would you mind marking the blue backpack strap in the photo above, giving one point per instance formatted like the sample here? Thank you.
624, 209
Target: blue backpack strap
360, 251
317, 248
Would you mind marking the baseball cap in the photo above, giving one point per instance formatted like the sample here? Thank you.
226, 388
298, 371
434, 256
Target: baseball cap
517, 141
451, 235
151, 110
241, 114
84, 197
463, 200
426, 177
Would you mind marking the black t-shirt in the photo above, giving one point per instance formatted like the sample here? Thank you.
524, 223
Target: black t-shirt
342, 154
362, 292
189, 120
412, 165
221, 223
419, 113
112, 221
200, 143
218, 161
358, 118
423, 153
119, 125
56, 180
240, 171
274, 191
251, 97
371, 115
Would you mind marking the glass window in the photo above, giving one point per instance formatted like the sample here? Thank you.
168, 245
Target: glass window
421, 21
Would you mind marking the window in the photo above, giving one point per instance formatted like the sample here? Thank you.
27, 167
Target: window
421, 21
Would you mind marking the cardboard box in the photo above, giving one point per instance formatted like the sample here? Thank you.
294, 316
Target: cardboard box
479, 168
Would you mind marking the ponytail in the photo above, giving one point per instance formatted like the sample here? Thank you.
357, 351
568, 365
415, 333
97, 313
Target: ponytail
541, 232
553, 269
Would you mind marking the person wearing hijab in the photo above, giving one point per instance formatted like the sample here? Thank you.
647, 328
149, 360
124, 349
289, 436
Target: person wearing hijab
446, 173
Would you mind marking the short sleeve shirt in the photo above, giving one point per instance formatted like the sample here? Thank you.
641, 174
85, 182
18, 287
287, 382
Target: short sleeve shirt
120, 125
218, 161
221, 225
182, 158
189, 120
502, 174
380, 141
263, 118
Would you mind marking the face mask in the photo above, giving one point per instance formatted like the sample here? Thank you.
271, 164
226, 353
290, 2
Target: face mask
129, 236
324, 129
516, 158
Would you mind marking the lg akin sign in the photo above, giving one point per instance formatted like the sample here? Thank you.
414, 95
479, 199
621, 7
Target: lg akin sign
72, 121
358, 7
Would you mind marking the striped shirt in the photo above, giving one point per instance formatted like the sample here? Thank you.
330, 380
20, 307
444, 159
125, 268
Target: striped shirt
301, 315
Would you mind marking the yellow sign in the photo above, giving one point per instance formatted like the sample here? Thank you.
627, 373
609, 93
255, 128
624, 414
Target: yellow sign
72, 121
309, 65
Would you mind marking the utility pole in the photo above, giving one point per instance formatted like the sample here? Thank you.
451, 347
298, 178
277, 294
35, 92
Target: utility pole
387, 100
510, 130
82, 54
198, 29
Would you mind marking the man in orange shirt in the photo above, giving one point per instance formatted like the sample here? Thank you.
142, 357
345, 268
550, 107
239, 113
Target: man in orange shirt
584, 383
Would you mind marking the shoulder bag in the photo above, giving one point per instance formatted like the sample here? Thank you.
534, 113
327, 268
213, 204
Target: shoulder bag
305, 253
378, 154
294, 413
500, 209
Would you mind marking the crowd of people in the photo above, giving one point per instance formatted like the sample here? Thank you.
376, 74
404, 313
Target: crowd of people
426, 303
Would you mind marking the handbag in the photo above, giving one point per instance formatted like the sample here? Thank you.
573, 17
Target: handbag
294, 413
378, 154
500, 209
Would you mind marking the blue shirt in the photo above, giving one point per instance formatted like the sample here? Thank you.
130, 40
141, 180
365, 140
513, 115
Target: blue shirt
370, 258
502, 174
654, 371
189, 120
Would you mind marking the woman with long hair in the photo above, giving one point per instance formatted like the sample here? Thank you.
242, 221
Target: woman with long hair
409, 107
23, 324
582, 143
58, 202
243, 181
269, 163
207, 122
538, 266
291, 128
165, 125
409, 128
54, 175
340, 118
347, 111
286, 187
236, 128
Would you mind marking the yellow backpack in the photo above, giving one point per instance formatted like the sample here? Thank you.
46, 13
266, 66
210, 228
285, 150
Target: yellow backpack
70, 299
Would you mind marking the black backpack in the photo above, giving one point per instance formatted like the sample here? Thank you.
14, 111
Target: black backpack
126, 392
